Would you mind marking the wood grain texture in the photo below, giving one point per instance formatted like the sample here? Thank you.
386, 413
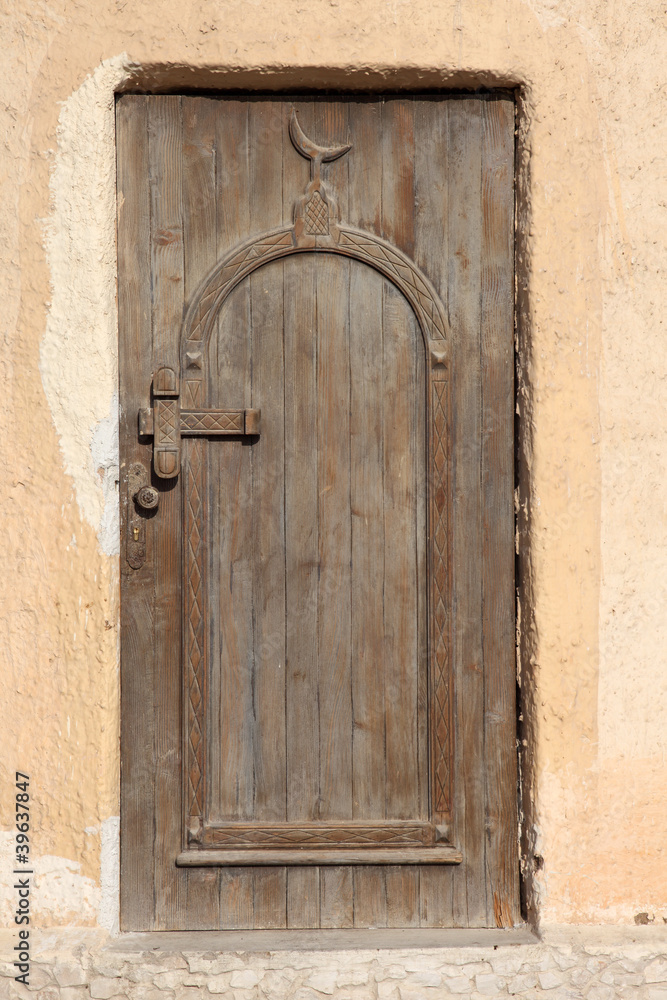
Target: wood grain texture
166, 245
268, 507
306, 905
231, 472
404, 457
464, 181
367, 508
432, 159
497, 371
334, 612
137, 587
200, 254
302, 552
318, 703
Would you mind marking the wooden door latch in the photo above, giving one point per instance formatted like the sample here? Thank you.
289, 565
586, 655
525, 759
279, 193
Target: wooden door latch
166, 423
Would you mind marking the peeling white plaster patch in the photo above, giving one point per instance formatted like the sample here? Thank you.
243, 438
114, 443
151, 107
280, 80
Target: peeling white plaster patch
60, 894
104, 451
110, 874
79, 351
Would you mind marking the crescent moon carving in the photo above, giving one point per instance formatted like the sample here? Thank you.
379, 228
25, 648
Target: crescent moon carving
307, 148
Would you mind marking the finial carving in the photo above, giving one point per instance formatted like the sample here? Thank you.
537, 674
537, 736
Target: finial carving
315, 216
316, 154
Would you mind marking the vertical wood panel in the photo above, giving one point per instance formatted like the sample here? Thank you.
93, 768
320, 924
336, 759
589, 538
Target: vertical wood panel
333, 611
370, 896
268, 503
336, 897
231, 485
137, 586
403, 447
165, 152
200, 250
432, 254
334, 590
302, 550
231, 472
497, 501
367, 506
464, 203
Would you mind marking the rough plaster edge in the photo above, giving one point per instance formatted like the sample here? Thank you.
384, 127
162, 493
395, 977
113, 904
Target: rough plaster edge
527, 639
79, 350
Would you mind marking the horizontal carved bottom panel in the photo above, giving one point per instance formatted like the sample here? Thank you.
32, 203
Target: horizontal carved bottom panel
363, 835
321, 856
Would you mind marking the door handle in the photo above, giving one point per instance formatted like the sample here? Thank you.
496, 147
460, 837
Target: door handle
167, 423
147, 498
142, 500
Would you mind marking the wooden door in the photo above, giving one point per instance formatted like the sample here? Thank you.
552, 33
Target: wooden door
317, 545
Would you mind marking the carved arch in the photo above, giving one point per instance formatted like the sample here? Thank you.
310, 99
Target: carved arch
391, 262
358, 244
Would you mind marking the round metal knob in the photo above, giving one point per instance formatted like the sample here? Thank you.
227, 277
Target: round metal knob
147, 498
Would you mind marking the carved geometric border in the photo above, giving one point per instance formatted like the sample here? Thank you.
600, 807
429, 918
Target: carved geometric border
441, 700
430, 313
397, 834
355, 243
194, 634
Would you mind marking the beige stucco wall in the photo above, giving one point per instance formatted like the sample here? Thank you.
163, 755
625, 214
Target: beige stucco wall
593, 525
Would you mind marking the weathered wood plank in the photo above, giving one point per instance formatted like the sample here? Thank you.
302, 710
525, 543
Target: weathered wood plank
303, 894
403, 446
367, 506
137, 588
370, 897
464, 176
270, 901
497, 509
268, 503
333, 519
299, 878
302, 551
165, 168
334, 591
403, 883
199, 116
336, 897
231, 475
432, 254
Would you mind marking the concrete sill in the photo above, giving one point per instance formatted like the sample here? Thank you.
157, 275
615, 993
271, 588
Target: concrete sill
321, 940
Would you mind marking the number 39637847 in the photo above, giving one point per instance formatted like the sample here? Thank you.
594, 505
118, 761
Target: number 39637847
22, 818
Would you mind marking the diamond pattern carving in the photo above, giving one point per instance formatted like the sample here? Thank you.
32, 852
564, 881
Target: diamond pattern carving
212, 421
317, 216
361, 245
404, 274
194, 624
321, 835
167, 416
441, 752
229, 272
